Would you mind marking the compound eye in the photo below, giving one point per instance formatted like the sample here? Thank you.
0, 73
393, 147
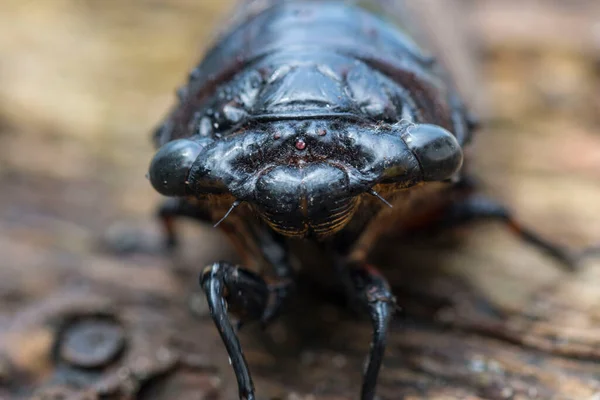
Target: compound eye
170, 166
437, 150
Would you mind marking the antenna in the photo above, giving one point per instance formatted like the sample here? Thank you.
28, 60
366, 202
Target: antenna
233, 206
374, 193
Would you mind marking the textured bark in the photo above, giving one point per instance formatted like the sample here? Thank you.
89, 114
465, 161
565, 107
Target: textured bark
486, 317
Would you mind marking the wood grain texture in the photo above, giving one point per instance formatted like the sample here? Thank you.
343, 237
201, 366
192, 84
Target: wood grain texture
81, 85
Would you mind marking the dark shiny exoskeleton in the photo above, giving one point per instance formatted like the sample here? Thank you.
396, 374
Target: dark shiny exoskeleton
315, 120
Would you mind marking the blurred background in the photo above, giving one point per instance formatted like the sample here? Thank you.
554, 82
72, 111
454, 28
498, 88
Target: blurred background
82, 85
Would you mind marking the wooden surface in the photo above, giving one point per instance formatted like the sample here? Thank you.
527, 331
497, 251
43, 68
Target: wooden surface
81, 85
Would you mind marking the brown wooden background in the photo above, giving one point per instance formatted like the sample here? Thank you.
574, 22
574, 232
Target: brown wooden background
81, 85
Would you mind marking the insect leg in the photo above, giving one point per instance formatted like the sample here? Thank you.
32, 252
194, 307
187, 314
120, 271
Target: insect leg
176, 207
478, 207
371, 290
248, 295
275, 251
166, 213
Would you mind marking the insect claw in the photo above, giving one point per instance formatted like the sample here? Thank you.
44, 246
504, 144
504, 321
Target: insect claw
233, 206
374, 193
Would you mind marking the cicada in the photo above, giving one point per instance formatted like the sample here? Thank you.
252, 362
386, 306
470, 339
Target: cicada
317, 121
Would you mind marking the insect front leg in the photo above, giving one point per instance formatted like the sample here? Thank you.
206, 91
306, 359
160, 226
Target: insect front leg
226, 285
370, 290
249, 296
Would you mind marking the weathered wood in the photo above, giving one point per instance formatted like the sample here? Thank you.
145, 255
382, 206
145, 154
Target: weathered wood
490, 318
